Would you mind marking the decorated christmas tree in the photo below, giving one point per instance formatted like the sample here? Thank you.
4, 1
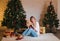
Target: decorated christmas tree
14, 15
50, 18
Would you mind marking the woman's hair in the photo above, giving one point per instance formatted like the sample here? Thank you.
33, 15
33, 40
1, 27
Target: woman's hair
32, 17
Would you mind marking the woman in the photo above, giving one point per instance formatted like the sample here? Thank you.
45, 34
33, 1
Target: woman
33, 28
35, 24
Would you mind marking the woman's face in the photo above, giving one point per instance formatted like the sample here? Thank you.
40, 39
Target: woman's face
33, 20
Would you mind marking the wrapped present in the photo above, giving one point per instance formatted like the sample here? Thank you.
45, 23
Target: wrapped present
9, 32
42, 30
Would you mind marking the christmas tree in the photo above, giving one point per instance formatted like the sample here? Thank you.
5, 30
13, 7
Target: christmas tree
50, 18
14, 15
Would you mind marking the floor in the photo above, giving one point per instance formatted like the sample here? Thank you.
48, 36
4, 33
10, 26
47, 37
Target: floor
42, 37
57, 34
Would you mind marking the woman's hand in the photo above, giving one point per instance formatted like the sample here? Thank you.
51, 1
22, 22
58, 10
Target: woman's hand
28, 23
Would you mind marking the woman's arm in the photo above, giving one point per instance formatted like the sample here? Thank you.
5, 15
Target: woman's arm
34, 26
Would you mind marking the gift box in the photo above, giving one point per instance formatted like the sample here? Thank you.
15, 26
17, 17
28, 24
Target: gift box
42, 30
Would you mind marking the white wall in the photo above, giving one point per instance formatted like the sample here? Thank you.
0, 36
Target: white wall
33, 8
